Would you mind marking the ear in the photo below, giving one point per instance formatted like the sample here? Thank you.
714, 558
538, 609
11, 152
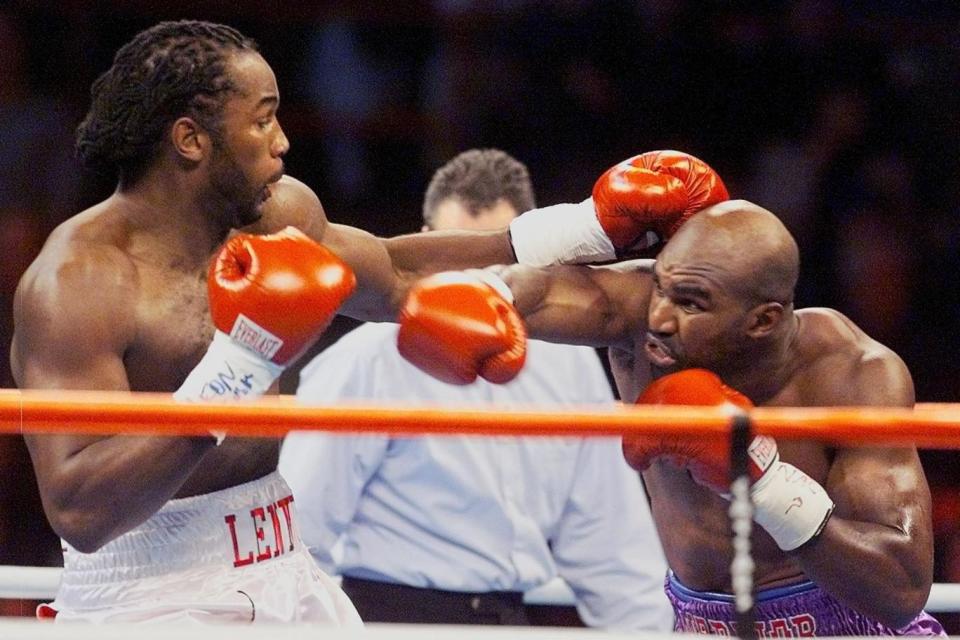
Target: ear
763, 319
189, 140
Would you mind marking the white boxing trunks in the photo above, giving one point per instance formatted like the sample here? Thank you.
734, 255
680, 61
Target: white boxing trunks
229, 556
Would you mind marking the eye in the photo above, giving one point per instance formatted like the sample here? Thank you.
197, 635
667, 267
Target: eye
690, 306
264, 123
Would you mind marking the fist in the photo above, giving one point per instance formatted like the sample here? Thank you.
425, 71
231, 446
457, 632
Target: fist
275, 294
455, 326
706, 458
654, 191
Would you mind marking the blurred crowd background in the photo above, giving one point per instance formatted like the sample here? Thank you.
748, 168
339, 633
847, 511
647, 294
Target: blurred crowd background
841, 117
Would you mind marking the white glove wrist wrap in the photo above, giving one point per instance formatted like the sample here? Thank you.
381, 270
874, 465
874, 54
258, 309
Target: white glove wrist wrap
227, 371
560, 234
790, 505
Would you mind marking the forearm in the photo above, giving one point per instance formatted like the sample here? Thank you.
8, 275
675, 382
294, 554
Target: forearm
114, 484
425, 253
561, 304
892, 580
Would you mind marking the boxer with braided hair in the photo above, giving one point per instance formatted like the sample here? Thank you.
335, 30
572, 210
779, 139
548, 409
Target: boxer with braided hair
153, 289
147, 291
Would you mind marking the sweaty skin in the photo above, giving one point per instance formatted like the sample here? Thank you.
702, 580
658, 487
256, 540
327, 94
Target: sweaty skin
117, 300
720, 297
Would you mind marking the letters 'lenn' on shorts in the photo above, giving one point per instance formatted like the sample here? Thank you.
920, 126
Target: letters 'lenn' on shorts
228, 556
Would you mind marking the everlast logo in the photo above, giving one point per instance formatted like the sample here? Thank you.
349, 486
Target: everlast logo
268, 539
254, 337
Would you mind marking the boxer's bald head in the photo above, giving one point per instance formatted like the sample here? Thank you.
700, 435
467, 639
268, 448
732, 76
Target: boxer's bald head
745, 242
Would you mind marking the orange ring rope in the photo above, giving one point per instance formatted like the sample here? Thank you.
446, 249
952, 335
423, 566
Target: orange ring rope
113, 412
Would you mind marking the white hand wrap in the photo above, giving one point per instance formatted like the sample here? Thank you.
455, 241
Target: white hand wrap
560, 234
493, 280
790, 505
228, 371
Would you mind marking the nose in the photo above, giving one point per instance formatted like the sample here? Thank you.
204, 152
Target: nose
660, 317
280, 144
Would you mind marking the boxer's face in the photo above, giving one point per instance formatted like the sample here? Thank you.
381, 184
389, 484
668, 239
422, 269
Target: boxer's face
248, 156
695, 318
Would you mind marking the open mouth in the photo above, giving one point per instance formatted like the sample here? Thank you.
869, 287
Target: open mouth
658, 354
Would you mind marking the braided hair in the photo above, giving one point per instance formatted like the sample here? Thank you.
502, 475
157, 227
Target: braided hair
170, 70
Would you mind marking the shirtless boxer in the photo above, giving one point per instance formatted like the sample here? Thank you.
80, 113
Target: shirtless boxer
187, 119
720, 298
117, 300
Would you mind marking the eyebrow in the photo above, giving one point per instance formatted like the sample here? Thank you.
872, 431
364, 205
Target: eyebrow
691, 290
684, 288
271, 100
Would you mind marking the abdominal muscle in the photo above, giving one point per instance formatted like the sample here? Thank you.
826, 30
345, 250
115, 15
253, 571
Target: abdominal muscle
695, 532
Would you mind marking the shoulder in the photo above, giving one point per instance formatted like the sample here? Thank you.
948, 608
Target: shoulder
82, 261
860, 370
292, 203
76, 301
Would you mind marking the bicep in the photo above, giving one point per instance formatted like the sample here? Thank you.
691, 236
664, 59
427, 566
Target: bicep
884, 486
386, 268
66, 337
379, 285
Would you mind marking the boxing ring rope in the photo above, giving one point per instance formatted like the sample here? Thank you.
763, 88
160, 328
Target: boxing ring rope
105, 413
935, 426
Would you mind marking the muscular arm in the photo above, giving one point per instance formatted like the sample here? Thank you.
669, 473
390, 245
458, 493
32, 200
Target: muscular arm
882, 516
385, 267
73, 318
595, 306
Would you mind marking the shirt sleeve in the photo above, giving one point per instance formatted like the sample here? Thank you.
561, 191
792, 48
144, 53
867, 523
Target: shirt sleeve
606, 547
327, 472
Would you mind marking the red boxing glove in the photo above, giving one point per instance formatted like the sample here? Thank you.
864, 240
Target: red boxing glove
275, 294
707, 459
790, 505
457, 325
654, 191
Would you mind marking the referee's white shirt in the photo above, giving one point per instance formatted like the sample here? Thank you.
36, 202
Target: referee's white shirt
476, 513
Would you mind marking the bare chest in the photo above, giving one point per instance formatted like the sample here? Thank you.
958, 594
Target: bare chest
173, 329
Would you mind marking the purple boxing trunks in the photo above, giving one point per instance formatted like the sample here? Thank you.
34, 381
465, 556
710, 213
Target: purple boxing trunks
799, 610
